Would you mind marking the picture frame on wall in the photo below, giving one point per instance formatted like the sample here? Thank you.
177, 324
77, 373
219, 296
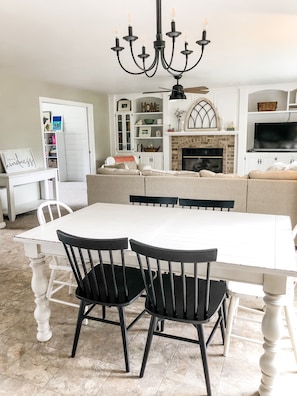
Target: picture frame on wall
124, 105
145, 131
57, 123
46, 118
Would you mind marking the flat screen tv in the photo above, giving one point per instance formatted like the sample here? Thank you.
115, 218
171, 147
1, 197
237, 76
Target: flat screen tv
275, 136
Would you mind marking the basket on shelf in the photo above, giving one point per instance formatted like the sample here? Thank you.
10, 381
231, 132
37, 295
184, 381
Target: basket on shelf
150, 149
267, 106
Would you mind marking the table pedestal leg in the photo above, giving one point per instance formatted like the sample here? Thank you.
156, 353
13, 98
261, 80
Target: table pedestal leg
272, 328
42, 311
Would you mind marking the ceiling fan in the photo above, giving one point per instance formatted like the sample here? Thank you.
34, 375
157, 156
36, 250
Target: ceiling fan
178, 91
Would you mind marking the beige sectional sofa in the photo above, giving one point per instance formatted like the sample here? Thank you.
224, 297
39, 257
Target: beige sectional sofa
271, 192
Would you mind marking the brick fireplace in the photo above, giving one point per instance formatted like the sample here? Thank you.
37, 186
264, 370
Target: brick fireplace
223, 141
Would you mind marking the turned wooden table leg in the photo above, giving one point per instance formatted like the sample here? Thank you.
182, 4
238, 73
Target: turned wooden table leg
272, 328
39, 286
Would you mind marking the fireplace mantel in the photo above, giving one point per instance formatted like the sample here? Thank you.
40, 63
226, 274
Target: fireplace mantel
202, 133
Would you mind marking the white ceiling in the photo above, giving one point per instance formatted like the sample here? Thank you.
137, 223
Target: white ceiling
68, 41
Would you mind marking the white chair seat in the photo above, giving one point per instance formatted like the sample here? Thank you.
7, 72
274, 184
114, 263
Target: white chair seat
238, 290
61, 272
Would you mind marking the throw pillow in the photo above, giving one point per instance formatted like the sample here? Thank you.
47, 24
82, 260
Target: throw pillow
208, 173
278, 166
273, 175
120, 165
292, 166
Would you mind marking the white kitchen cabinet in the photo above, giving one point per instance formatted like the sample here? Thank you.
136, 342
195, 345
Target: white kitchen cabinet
262, 161
155, 160
123, 131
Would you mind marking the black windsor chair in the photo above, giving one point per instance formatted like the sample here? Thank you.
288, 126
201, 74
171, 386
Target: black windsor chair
102, 279
154, 201
207, 203
175, 292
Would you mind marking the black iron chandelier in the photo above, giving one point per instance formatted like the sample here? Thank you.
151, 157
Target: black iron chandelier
159, 46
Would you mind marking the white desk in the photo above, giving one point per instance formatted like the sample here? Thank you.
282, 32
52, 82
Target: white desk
11, 180
251, 247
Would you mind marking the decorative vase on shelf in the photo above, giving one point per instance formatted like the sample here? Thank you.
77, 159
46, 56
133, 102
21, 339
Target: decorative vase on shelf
182, 126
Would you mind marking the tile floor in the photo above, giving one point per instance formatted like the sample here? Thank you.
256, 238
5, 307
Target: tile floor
28, 367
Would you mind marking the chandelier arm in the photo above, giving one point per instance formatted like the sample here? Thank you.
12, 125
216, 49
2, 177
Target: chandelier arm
190, 68
143, 68
127, 71
165, 64
155, 65
199, 59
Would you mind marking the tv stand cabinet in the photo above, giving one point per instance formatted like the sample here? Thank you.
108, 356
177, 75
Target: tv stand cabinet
12, 180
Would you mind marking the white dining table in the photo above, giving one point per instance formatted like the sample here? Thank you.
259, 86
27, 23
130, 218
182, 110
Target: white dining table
252, 248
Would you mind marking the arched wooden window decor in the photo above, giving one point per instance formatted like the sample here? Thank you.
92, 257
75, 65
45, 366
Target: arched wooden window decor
202, 115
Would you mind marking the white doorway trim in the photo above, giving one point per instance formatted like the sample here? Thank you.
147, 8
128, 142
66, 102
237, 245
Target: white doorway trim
90, 121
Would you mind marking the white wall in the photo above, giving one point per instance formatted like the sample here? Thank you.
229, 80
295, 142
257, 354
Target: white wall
21, 118
20, 114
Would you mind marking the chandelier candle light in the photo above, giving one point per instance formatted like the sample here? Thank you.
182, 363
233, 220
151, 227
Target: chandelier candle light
159, 46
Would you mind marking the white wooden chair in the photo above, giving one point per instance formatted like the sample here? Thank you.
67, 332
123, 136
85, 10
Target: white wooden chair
61, 272
238, 290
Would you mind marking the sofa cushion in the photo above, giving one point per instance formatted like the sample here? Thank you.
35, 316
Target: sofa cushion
208, 173
273, 175
154, 172
273, 197
120, 165
115, 171
115, 189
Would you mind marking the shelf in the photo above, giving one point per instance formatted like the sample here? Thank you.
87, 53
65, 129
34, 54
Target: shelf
151, 125
273, 112
150, 112
202, 133
149, 138
25, 207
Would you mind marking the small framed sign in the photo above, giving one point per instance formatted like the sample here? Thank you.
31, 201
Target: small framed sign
124, 105
145, 131
17, 160
57, 123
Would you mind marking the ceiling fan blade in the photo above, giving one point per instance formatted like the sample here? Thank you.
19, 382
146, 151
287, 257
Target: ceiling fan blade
201, 89
151, 92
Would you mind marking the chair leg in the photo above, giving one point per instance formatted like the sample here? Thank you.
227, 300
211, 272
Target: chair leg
222, 323
124, 336
230, 317
70, 284
153, 324
160, 325
204, 357
50, 284
80, 318
292, 326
